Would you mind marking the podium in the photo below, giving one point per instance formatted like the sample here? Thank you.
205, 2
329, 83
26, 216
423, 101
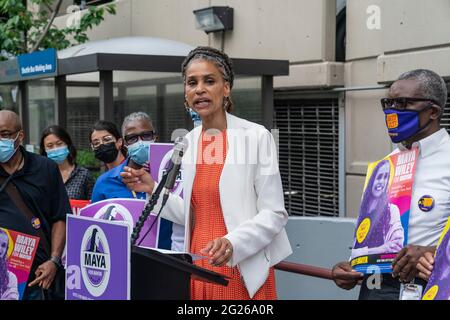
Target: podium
102, 265
159, 276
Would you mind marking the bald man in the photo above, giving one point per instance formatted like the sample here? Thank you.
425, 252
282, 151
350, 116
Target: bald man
33, 201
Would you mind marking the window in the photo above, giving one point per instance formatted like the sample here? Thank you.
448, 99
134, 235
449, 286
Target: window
309, 155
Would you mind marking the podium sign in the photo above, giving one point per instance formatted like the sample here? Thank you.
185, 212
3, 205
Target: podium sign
128, 211
98, 259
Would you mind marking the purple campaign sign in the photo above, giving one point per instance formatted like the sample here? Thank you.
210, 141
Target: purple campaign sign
438, 287
160, 157
128, 210
98, 259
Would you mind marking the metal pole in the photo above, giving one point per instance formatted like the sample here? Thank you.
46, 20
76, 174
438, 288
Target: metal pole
61, 101
24, 109
304, 269
267, 101
106, 111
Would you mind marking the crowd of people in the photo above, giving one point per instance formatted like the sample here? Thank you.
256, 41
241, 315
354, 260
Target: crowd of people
232, 211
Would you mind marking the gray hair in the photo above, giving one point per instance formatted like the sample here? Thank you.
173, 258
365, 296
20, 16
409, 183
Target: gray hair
135, 116
432, 86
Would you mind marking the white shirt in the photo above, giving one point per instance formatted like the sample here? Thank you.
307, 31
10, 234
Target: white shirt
432, 178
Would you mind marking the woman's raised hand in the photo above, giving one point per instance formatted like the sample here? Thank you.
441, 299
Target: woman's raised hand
138, 180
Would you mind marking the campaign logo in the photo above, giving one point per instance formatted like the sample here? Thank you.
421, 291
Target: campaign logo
363, 230
392, 120
115, 212
95, 260
36, 223
426, 203
431, 293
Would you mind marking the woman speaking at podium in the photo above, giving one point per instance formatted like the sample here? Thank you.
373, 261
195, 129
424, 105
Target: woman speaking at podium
233, 206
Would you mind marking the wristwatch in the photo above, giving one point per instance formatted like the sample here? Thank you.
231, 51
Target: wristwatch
56, 260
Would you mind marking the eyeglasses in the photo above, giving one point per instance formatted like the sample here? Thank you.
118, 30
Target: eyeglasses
96, 143
144, 136
402, 102
8, 135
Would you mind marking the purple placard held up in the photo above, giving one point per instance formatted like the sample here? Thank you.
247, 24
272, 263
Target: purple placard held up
160, 157
128, 210
98, 259
438, 287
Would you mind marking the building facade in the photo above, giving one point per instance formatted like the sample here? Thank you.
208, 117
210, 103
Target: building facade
342, 56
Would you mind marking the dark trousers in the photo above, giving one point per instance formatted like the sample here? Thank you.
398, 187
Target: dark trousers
33, 293
389, 289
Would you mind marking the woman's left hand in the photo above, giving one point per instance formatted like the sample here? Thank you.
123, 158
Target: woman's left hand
219, 250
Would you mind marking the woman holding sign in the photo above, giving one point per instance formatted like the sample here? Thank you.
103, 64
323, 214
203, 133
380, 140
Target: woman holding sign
233, 205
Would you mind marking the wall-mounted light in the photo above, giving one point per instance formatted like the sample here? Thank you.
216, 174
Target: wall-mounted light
214, 19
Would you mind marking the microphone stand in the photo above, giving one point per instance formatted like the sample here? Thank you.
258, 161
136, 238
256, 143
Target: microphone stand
148, 208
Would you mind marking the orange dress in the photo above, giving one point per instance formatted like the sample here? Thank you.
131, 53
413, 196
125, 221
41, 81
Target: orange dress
209, 225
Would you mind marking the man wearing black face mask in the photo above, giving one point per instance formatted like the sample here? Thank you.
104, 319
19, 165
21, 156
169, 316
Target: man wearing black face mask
413, 111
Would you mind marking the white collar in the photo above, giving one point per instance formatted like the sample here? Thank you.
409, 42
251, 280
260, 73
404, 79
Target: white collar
430, 144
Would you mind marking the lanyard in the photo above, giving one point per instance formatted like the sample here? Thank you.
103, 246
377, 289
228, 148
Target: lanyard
135, 196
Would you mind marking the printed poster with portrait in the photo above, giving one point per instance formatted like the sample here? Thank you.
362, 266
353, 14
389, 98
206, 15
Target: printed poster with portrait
17, 251
438, 287
382, 225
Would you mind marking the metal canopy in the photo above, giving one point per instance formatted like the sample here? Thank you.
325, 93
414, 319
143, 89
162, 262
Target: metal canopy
140, 54
136, 62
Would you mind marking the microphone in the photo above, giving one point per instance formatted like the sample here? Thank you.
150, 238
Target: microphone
167, 182
177, 155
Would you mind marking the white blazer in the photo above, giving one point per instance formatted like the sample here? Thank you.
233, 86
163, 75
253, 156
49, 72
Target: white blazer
251, 196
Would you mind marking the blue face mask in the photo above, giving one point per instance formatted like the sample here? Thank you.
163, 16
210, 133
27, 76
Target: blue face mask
195, 117
139, 152
59, 155
403, 124
7, 149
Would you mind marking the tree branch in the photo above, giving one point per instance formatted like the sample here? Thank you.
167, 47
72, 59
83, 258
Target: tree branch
47, 27
50, 9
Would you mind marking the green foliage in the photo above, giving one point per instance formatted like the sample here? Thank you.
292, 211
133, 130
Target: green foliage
22, 31
86, 159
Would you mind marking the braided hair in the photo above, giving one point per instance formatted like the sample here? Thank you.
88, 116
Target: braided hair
220, 59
